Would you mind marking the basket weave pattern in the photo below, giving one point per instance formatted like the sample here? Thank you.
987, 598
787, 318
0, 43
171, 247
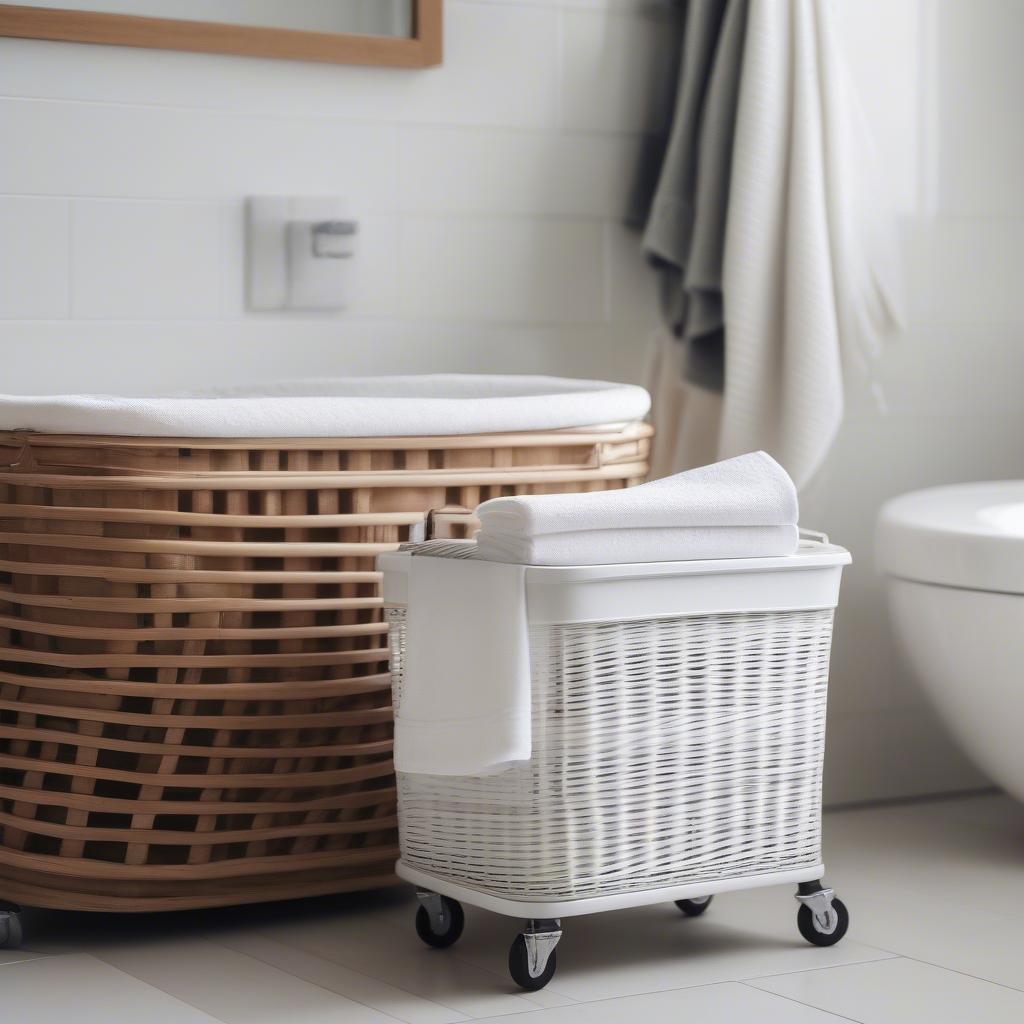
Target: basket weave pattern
665, 752
195, 701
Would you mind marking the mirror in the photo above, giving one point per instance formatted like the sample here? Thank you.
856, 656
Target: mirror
401, 33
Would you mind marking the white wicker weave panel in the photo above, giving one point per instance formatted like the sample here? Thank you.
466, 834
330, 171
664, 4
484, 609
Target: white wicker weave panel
666, 751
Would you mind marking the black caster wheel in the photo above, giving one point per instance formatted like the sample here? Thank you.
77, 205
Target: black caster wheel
811, 929
519, 967
11, 932
694, 908
448, 927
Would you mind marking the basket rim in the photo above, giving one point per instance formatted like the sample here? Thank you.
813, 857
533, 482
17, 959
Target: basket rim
590, 434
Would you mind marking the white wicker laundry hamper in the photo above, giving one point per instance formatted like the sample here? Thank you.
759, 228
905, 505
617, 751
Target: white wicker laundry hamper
678, 726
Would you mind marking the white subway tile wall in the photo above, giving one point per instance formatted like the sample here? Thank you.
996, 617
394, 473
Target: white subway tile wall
484, 201
137, 259
34, 256
491, 193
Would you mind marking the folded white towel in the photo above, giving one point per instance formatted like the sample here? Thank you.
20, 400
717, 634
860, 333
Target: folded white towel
749, 490
745, 507
464, 706
651, 544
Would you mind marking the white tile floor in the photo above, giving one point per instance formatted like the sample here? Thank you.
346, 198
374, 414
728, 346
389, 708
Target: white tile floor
934, 891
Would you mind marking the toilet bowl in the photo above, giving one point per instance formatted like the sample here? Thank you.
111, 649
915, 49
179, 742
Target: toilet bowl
954, 559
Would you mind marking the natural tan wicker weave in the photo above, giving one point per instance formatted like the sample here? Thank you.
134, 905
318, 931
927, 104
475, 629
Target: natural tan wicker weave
194, 695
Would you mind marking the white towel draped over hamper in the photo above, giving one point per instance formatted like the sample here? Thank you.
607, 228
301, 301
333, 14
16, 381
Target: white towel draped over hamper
467, 630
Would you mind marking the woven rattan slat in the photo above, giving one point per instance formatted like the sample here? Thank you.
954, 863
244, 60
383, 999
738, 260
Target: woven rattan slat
112, 895
220, 576
86, 868
66, 684
568, 437
258, 722
201, 548
171, 518
189, 633
369, 797
200, 660
238, 780
168, 837
149, 605
165, 748
315, 481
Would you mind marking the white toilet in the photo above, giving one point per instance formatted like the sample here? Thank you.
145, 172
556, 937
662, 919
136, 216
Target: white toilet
955, 561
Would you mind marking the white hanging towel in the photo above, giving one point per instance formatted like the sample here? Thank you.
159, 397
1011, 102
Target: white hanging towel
465, 697
742, 507
810, 275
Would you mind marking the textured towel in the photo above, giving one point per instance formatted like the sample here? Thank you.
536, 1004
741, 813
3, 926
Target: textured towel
810, 272
655, 544
749, 490
685, 229
464, 707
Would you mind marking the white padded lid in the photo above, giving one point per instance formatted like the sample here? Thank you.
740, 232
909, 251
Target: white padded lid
415, 406
809, 578
964, 535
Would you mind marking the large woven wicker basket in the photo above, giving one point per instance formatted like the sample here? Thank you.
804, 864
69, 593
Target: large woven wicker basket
194, 695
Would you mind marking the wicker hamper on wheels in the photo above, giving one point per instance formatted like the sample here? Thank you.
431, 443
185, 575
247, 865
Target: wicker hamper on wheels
677, 730
195, 704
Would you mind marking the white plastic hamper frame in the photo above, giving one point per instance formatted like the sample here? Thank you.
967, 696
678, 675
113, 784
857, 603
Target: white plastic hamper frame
727, 765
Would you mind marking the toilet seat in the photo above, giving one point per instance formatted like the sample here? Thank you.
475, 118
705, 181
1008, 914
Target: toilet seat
966, 535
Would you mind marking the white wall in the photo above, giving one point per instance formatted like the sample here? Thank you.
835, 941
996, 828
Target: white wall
490, 192
942, 80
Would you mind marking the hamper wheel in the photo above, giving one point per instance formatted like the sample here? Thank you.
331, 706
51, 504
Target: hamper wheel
694, 908
452, 922
519, 967
11, 933
814, 934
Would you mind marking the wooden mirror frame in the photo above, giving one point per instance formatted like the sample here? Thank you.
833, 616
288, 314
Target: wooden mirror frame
422, 50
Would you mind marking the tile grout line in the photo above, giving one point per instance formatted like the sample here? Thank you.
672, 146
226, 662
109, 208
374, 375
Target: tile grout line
354, 970
938, 967
800, 1002
888, 955
480, 127
27, 960
69, 260
663, 991
156, 988
340, 995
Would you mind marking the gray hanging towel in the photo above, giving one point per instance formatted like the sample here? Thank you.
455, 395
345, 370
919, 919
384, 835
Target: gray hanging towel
685, 229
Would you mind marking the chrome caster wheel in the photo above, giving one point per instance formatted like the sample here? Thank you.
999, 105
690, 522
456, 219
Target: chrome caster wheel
694, 907
439, 920
822, 917
531, 960
11, 932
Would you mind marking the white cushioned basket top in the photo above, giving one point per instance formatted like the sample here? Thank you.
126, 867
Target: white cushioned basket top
415, 406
